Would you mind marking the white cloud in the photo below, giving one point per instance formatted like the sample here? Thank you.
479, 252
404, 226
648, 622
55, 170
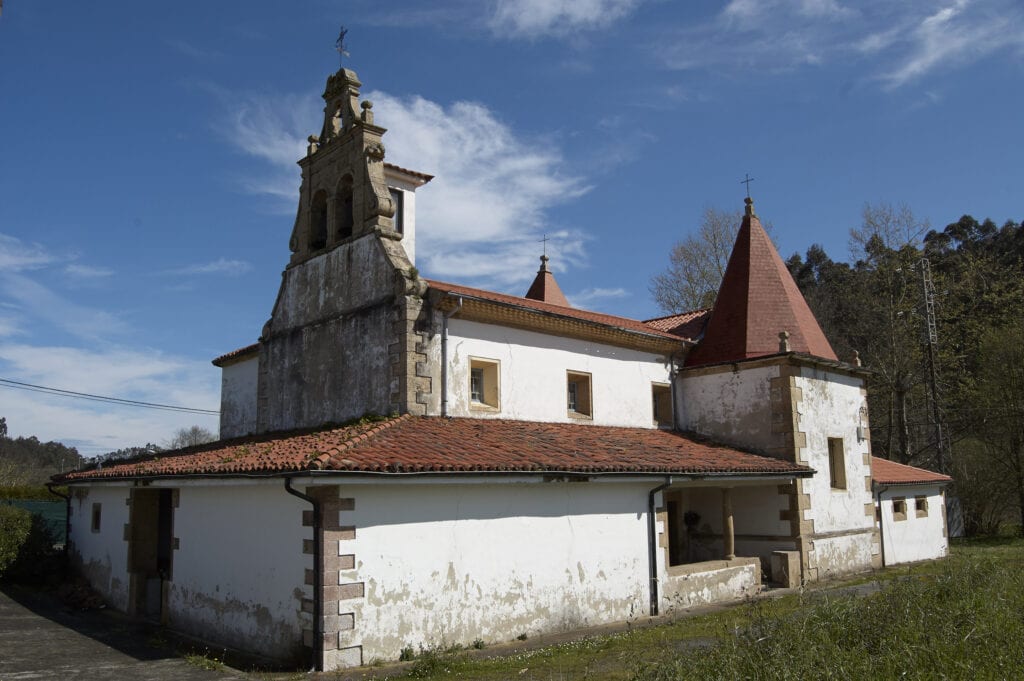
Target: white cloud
587, 297
88, 272
900, 42
488, 204
225, 266
144, 375
16, 255
34, 299
536, 18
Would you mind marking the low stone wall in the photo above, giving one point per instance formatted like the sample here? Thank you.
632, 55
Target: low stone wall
686, 586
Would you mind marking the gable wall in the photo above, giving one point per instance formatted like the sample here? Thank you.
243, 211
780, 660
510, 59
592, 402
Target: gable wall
914, 538
533, 375
239, 383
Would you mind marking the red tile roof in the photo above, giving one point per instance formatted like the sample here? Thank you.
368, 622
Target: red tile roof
686, 325
623, 323
430, 444
545, 288
758, 299
236, 354
885, 472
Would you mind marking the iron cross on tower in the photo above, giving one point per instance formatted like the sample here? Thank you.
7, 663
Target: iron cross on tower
340, 46
545, 241
748, 179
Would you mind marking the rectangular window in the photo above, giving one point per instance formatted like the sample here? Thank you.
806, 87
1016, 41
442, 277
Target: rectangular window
398, 198
836, 463
661, 396
483, 383
96, 517
921, 506
899, 508
578, 401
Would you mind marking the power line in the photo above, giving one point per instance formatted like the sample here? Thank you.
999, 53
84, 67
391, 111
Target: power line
8, 383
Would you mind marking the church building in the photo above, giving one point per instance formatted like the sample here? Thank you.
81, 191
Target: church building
407, 462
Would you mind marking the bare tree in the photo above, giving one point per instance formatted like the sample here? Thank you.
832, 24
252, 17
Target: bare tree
697, 263
189, 437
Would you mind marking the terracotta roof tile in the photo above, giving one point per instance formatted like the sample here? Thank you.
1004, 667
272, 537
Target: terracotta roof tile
415, 173
758, 299
236, 354
686, 325
885, 472
623, 323
427, 444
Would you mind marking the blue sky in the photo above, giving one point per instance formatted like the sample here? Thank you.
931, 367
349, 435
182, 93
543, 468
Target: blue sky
147, 157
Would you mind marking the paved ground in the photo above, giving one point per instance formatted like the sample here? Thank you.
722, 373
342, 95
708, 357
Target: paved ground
40, 638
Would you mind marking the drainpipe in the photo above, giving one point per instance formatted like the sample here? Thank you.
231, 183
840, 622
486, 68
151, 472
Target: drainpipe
672, 393
67, 514
652, 544
318, 638
881, 520
444, 356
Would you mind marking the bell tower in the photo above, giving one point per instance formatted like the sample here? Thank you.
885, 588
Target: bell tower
344, 194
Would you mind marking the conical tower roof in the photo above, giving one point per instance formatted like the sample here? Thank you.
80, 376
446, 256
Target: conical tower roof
545, 288
758, 301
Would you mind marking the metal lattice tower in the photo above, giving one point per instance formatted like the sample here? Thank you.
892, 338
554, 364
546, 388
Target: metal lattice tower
935, 411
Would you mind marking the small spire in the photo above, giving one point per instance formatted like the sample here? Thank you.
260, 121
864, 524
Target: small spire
544, 286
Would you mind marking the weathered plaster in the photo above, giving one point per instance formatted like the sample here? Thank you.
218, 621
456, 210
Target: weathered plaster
238, 386
919, 537
101, 557
533, 375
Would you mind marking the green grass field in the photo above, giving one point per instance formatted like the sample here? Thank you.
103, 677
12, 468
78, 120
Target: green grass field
958, 618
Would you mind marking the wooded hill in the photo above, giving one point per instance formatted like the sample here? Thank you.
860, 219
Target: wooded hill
937, 317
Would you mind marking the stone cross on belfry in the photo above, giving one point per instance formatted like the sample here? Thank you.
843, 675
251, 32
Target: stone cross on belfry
747, 180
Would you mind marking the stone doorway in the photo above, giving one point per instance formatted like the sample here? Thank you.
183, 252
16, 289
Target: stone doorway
150, 551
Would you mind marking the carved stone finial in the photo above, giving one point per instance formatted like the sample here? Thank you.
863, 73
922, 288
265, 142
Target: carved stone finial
314, 144
367, 114
856, 358
544, 263
783, 338
749, 210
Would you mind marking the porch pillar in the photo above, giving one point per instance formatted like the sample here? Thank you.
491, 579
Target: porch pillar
728, 533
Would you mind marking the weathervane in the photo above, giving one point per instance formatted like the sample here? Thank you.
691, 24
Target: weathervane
340, 45
748, 179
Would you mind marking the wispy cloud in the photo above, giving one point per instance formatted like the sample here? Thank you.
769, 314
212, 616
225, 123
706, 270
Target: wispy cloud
145, 375
225, 266
34, 299
899, 43
193, 51
589, 296
540, 18
492, 193
16, 255
87, 272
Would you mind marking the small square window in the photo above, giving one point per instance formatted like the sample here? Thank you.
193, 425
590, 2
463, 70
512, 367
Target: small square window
836, 463
578, 395
96, 517
899, 508
661, 396
483, 383
921, 506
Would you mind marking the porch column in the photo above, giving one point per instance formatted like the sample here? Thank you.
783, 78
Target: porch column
728, 534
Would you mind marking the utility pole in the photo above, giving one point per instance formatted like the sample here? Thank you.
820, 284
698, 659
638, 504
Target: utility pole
932, 341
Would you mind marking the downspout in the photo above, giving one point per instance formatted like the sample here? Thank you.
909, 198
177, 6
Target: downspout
652, 544
444, 356
881, 519
67, 514
672, 394
318, 593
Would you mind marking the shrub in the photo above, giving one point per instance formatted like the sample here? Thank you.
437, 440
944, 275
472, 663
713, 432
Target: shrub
15, 525
36, 559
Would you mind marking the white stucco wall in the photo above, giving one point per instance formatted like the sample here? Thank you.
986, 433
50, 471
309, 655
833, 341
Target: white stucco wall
533, 375
239, 570
916, 538
447, 564
101, 557
408, 190
731, 406
238, 389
